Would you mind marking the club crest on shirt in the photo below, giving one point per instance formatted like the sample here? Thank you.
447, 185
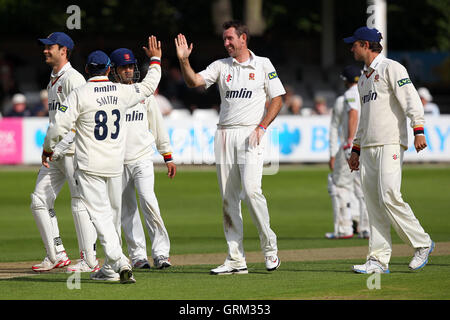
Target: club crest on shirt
377, 78
251, 76
229, 78
59, 89
395, 157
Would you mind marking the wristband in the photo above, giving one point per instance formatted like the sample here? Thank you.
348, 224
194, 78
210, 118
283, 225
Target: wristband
167, 157
47, 154
356, 149
418, 130
262, 127
155, 60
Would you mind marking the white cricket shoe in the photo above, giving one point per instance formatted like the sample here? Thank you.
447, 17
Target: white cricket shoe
225, 270
332, 235
272, 263
371, 266
161, 262
83, 266
420, 258
101, 276
62, 260
126, 275
141, 264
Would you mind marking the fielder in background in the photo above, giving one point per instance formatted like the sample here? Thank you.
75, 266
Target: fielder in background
52, 176
344, 186
145, 128
388, 97
97, 110
244, 81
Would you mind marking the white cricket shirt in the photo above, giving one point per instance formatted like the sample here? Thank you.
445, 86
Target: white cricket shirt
145, 126
59, 87
97, 110
244, 88
387, 98
339, 117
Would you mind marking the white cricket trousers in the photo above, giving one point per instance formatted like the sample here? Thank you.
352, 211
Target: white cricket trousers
102, 198
48, 185
381, 175
345, 189
140, 176
239, 173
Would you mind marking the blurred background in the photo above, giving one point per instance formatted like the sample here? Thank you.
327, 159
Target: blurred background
303, 39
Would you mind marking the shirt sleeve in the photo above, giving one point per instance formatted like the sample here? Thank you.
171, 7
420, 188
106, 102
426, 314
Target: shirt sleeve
157, 127
211, 74
134, 93
407, 96
65, 119
334, 126
352, 101
273, 85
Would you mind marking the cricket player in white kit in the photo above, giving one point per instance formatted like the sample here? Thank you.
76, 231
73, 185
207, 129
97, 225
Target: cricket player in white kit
97, 111
387, 98
344, 186
145, 128
245, 81
52, 176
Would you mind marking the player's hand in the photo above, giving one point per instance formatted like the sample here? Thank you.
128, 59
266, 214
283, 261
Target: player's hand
420, 142
331, 163
255, 137
171, 169
183, 50
353, 162
154, 47
347, 150
45, 161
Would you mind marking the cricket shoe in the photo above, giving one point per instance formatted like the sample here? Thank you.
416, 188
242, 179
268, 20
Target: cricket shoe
371, 266
225, 270
420, 258
332, 235
62, 260
101, 276
141, 264
83, 266
126, 275
161, 262
272, 263
364, 235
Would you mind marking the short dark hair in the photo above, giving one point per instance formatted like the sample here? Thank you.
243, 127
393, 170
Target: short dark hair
94, 71
373, 46
240, 28
69, 52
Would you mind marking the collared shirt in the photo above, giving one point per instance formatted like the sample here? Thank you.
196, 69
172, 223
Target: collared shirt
145, 127
59, 87
97, 110
244, 88
388, 97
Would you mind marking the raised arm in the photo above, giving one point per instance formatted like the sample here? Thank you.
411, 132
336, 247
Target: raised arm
191, 78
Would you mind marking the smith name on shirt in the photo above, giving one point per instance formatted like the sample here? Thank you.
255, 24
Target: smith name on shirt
107, 100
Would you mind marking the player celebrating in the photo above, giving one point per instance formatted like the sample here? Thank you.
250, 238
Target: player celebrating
51, 177
244, 81
387, 98
342, 183
97, 111
145, 127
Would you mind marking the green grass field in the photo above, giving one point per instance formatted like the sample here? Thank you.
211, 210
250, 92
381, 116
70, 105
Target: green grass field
300, 215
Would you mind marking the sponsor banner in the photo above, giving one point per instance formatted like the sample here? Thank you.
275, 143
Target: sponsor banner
11, 141
34, 132
288, 139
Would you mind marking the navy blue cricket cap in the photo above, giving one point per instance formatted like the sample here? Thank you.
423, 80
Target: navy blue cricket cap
351, 74
58, 38
98, 60
122, 57
365, 34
